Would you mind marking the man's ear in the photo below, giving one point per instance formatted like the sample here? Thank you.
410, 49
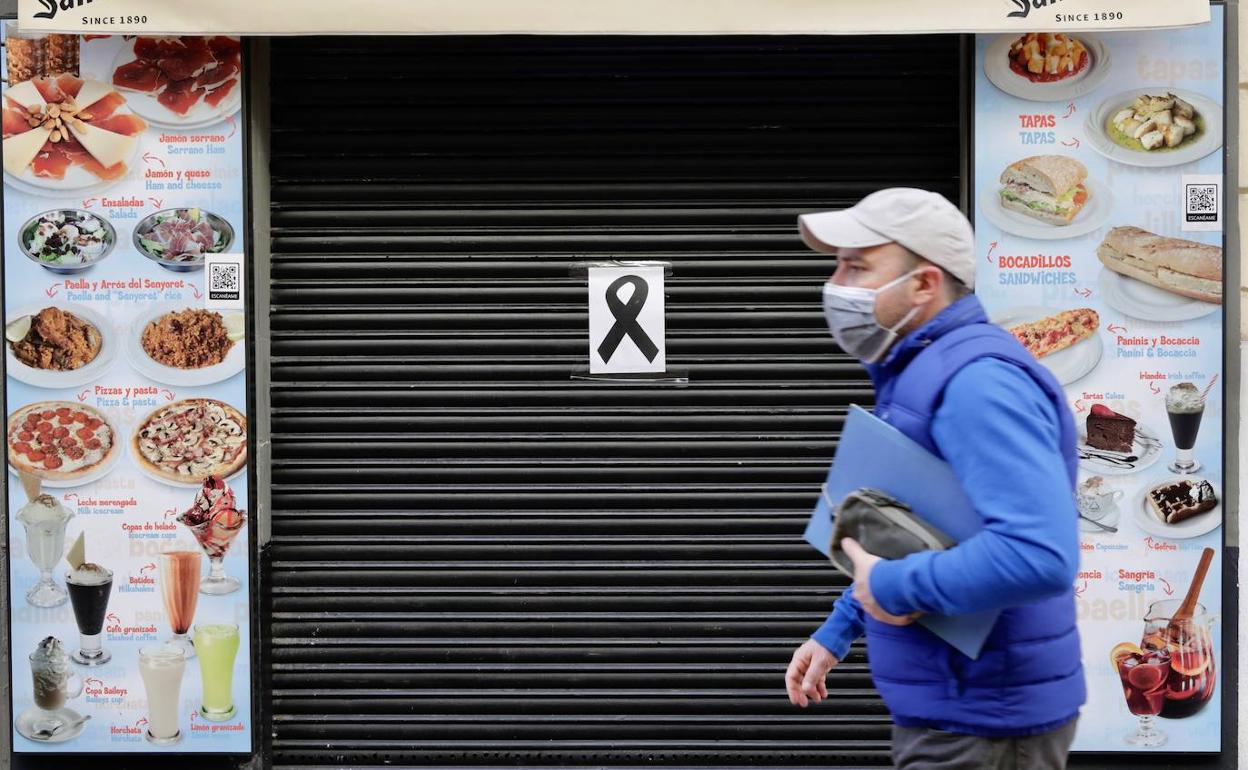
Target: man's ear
931, 284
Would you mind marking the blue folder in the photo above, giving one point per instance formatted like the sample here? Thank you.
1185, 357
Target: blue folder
874, 454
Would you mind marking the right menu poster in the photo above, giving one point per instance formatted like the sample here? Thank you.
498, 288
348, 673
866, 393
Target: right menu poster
1098, 204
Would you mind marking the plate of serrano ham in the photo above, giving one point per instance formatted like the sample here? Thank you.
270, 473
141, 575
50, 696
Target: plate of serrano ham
181, 82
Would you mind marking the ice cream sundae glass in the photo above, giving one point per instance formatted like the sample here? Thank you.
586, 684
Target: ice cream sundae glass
215, 520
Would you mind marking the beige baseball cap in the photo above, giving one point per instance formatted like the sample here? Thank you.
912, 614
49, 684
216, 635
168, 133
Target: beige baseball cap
924, 222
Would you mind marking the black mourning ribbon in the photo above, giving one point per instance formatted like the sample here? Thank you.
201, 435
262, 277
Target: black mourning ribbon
625, 314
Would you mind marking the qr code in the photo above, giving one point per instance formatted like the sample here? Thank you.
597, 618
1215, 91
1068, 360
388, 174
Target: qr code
223, 277
225, 282
1202, 202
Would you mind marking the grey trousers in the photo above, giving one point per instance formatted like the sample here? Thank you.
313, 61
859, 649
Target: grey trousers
921, 749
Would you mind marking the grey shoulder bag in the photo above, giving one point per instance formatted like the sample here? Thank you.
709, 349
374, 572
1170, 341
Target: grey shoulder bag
883, 526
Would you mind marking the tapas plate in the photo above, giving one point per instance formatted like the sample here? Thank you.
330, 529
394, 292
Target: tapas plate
997, 68
1096, 130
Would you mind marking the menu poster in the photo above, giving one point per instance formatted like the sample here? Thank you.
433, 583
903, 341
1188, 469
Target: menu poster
125, 394
1095, 154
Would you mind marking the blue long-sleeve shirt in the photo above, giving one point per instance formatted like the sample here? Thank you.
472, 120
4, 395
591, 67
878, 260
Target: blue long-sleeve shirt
999, 433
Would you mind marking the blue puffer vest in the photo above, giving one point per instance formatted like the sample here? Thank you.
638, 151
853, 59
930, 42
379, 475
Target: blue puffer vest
1028, 679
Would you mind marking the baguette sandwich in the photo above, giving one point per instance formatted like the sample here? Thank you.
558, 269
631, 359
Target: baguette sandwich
1179, 266
1046, 187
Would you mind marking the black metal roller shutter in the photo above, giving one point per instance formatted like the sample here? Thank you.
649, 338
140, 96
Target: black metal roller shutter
478, 560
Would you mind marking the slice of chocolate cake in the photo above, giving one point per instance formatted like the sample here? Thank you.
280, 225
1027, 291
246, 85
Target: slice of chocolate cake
1109, 430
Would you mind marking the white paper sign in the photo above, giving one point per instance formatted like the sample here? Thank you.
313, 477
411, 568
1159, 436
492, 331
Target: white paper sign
223, 281
626, 323
1202, 203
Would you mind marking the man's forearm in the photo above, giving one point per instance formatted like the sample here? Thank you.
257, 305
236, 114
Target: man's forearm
985, 572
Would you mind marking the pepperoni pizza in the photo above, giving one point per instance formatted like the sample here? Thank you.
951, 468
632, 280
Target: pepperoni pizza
60, 440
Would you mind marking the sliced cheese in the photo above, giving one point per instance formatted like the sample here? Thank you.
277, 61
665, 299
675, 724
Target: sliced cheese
26, 95
21, 149
92, 91
107, 147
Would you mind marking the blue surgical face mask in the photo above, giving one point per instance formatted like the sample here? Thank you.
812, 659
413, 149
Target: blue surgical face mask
850, 311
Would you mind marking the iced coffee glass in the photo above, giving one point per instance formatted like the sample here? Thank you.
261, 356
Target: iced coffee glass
89, 588
1185, 405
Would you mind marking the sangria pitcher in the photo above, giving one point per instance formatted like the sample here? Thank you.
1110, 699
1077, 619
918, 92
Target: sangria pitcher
1189, 643
1172, 672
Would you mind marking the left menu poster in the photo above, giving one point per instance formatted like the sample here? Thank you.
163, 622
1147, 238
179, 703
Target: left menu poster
126, 394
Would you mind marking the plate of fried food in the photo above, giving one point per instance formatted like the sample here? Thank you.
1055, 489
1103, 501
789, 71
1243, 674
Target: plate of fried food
186, 346
58, 345
1047, 66
1155, 127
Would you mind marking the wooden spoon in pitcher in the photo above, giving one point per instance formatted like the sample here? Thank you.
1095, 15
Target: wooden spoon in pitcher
1183, 615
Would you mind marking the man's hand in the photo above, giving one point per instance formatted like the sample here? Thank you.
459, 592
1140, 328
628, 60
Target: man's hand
806, 678
863, 564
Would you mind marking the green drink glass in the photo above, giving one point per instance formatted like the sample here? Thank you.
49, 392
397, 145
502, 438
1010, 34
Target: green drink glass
217, 645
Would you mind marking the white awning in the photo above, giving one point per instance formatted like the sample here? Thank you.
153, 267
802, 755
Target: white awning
663, 17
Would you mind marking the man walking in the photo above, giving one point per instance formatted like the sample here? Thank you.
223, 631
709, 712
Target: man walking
966, 390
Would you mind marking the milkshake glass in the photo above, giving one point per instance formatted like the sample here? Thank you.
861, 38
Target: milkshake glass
217, 645
215, 520
49, 668
44, 519
89, 589
161, 667
179, 584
